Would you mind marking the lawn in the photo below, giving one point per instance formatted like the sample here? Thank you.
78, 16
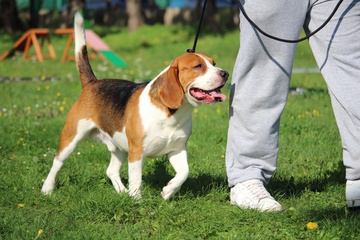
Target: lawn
309, 181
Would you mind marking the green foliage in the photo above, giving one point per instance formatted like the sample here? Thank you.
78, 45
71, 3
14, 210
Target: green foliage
309, 181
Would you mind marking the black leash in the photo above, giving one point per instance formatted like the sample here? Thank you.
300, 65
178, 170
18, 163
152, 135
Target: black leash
198, 30
287, 40
260, 30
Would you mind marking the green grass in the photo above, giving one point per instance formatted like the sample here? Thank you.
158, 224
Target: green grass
309, 181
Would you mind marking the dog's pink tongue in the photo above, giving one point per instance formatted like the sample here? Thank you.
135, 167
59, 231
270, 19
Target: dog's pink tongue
197, 93
218, 95
214, 96
208, 97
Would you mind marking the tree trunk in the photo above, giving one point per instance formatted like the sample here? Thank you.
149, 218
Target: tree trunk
69, 13
134, 11
212, 10
9, 16
34, 13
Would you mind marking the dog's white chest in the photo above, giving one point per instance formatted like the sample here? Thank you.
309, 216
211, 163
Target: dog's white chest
164, 133
162, 139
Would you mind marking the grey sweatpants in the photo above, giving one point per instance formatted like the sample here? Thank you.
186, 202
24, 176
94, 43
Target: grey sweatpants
261, 78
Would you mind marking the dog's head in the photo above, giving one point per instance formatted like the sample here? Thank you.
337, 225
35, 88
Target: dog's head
193, 78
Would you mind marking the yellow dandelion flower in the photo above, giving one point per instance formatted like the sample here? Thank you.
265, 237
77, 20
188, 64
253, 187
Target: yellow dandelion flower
38, 89
21, 205
28, 108
196, 110
47, 87
42, 78
58, 94
316, 113
312, 225
222, 156
39, 233
63, 102
132, 72
61, 108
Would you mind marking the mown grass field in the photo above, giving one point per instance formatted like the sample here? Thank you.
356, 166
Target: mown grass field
309, 181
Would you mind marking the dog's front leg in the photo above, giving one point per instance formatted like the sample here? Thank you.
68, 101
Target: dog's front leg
178, 160
135, 178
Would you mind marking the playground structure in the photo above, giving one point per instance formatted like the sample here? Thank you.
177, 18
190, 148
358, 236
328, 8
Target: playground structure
31, 37
97, 47
95, 44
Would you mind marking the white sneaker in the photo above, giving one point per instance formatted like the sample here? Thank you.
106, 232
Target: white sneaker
252, 194
353, 193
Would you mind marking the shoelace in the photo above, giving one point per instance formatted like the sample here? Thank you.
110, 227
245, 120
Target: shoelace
257, 188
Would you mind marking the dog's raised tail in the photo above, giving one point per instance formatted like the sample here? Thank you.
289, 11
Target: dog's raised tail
81, 55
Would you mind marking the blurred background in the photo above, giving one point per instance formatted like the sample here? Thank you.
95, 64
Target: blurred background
21, 15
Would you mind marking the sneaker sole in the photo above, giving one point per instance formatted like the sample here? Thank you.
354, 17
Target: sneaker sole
270, 210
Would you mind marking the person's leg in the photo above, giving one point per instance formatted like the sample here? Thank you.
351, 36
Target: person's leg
259, 89
337, 52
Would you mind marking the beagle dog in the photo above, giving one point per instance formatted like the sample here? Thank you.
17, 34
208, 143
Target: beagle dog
138, 120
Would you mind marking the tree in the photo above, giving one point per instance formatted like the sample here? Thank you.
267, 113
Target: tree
10, 17
69, 13
134, 11
34, 13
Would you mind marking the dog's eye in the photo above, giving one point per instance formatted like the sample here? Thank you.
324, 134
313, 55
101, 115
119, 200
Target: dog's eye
198, 66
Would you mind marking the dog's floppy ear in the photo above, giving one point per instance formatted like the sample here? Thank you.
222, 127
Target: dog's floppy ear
170, 90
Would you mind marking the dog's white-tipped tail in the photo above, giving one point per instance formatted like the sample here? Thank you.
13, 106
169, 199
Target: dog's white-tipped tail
79, 32
81, 55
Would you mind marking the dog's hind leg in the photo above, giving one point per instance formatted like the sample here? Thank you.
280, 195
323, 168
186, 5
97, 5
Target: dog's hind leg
117, 159
113, 171
71, 136
178, 160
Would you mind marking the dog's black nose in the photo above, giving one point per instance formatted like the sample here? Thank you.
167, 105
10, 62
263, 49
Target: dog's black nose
224, 74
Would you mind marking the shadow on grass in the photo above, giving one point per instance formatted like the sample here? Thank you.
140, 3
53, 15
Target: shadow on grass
202, 184
198, 186
288, 187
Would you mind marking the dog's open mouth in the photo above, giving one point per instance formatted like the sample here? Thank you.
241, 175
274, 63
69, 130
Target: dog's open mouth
208, 96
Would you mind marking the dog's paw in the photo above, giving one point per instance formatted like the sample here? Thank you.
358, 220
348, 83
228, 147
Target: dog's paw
123, 190
47, 190
135, 194
119, 187
168, 191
